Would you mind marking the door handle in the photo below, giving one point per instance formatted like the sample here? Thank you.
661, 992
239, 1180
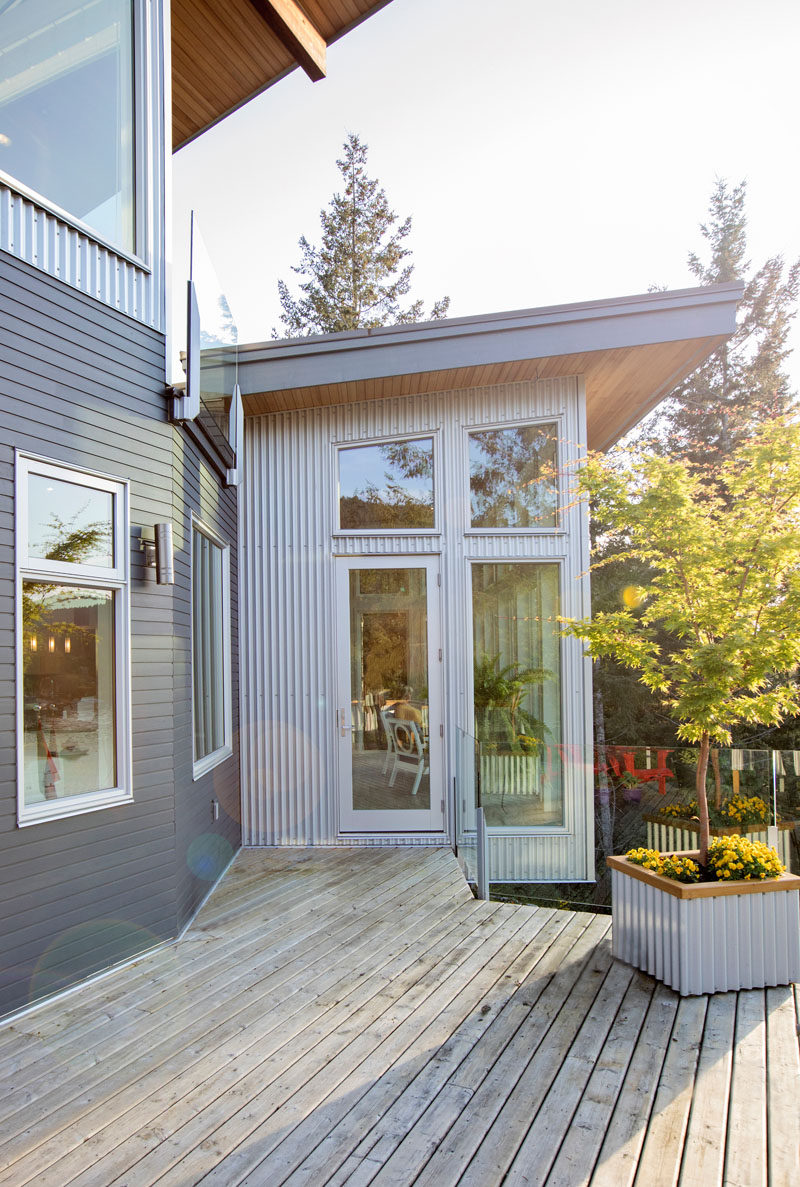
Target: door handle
343, 726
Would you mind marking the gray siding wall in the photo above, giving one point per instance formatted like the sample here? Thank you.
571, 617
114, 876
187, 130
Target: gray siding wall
82, 384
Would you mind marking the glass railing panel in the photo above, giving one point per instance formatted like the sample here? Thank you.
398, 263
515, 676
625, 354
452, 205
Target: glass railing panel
219, 336
467, 774
645, 796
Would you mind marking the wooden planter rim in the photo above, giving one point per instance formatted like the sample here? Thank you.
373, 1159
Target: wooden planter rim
701, 889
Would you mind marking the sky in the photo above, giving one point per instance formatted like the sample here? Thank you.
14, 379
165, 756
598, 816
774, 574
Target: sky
547, 152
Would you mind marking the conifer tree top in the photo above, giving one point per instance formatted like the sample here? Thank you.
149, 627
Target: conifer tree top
356, 278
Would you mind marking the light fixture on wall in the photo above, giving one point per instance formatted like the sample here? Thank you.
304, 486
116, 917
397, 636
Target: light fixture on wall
51, 644
34, 643
159, 553
67, 645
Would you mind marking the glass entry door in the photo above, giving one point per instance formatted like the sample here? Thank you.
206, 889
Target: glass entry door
388, 721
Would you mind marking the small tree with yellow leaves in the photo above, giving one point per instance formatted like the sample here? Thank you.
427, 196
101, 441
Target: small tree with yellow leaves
724, 559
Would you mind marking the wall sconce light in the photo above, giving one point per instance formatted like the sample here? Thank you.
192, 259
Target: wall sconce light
34, 643
159, 554
67, 645
51, 644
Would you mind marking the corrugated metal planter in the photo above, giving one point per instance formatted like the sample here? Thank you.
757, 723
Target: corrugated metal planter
668, 835
706, 937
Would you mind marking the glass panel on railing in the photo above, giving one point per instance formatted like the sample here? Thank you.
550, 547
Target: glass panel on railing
467, 773
219, 336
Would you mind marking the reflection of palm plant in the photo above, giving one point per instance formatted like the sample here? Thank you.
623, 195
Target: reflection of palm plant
501, 721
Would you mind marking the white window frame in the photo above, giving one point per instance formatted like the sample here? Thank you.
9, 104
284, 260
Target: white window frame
498, 426
201, 766
435, 530
115, 579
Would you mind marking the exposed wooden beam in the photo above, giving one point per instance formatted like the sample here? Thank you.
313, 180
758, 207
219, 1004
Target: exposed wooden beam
305, 43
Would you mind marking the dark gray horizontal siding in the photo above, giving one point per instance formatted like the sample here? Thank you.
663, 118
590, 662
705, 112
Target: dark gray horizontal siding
84, 385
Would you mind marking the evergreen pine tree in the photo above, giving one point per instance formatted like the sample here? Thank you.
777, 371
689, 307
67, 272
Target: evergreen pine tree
743, 384
357, 277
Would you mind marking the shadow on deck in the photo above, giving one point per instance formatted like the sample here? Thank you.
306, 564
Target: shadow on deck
355, 1016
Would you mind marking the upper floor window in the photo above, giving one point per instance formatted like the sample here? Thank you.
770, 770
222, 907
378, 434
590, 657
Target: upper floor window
387, 486
66, 108
513, 477
73, 645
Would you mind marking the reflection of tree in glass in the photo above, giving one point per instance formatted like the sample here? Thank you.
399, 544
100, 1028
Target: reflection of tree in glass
71, 545
513, 477
385, 652
394, 505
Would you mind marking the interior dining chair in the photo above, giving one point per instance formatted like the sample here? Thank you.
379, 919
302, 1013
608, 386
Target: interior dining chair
409, 753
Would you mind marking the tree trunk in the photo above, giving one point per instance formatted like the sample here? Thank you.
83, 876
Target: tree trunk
702, 798
717, 778
604, 787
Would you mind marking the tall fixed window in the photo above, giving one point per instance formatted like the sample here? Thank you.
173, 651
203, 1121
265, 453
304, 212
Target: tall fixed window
513, 477
387, 486
211, 652
73, 641
67, 108
517, 692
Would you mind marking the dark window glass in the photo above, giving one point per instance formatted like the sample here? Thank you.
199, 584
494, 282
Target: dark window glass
69, 708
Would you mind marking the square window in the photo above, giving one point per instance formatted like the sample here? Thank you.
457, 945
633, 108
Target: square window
513, 477
387, 486
74, 686
211, 665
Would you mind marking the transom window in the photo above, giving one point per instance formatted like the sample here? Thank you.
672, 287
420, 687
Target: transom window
211, 652
74, 688
513, 477
387, 486
66, 108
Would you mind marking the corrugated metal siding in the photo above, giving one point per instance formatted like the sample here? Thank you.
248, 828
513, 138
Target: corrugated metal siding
288, 632
83, 385
39, 237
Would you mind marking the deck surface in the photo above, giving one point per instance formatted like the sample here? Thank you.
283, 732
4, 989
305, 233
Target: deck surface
355, 1016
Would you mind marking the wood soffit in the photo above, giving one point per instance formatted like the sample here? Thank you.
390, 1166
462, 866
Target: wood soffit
225, 52
622, 385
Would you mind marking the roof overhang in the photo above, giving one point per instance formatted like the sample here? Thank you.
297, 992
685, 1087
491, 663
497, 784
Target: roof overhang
225, 52
631, 351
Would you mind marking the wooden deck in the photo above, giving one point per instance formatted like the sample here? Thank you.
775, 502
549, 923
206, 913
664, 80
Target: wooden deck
354, 1016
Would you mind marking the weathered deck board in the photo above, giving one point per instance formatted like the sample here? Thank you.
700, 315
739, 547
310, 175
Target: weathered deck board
355, 1016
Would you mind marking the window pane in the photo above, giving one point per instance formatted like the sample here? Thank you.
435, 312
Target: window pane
66, 107
69, 711
387, 486
389, 689
517, 684
513, 477
69, 522
208, 646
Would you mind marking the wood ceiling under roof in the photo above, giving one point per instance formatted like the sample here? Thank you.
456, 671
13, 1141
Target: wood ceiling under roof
225, 52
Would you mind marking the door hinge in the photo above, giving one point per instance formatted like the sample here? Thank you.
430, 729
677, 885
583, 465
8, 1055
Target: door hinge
439, 580
440, 655
441, 805
441, 731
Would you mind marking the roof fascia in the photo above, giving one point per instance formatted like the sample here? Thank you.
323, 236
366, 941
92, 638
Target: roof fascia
477, 341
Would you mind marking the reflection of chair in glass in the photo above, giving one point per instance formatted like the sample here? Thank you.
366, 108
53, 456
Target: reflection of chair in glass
386, 717
409, 753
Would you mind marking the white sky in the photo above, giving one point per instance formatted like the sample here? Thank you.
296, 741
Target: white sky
547, 151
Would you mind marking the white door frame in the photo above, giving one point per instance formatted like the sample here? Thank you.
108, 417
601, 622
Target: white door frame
428, 820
